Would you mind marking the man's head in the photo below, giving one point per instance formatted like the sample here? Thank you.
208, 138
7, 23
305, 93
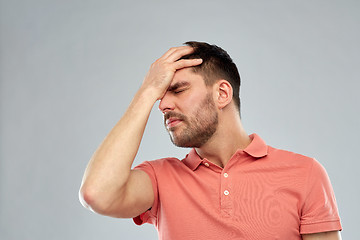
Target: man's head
190, 114
216, 65
198, 94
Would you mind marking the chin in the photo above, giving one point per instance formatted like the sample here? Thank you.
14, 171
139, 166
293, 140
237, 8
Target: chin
184, 143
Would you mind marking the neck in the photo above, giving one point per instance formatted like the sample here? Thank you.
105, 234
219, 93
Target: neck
229, 137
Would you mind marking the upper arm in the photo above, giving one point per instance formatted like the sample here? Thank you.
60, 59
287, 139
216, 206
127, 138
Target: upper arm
333, 235
138, 196
319, 212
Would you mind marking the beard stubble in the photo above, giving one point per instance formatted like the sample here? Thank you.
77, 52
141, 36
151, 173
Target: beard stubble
197, 128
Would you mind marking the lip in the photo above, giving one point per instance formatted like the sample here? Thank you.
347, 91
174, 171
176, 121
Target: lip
172, 122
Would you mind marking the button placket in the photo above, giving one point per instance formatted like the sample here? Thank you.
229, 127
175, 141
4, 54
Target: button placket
225, 191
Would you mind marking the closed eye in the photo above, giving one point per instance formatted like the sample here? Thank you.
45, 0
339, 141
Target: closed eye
179, 91
179, 87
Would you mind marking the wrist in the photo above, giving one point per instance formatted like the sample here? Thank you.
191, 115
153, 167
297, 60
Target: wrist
151, 94
145, 97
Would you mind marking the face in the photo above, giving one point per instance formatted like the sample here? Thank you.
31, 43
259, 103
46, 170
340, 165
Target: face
189, 110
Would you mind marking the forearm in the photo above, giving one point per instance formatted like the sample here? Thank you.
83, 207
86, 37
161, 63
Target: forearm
109, 168
105, 187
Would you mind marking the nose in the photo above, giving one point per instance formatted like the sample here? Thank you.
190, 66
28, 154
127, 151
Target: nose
166, 103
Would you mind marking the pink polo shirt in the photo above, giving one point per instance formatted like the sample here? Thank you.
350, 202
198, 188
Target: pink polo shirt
262, 193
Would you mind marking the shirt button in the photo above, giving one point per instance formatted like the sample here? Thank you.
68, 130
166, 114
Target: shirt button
206, 164
226, 192
226, 175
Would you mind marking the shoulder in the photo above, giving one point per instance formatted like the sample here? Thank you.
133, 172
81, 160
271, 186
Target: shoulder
312, 169
286, 156
277, 156
163, 164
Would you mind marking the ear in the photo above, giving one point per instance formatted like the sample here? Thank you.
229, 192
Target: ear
224, 93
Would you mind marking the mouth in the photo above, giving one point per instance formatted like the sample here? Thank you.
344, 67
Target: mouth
172, 122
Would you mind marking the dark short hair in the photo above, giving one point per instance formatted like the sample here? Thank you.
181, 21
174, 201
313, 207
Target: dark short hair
216, 65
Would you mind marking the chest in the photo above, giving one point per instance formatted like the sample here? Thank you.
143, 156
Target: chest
254, 202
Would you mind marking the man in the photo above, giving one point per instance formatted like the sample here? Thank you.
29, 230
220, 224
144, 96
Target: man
230, 186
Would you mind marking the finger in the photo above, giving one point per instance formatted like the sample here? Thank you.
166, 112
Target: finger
171, 50
183, 63
178, 53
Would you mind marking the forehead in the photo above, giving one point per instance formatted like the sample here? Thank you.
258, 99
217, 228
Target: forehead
186, 75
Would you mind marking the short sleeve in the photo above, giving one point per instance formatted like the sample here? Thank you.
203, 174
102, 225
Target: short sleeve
319, 212
150, 216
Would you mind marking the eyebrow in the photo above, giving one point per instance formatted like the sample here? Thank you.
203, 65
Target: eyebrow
177, 85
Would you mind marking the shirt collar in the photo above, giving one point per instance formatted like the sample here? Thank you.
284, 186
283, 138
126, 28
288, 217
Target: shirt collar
257, 149
192, 160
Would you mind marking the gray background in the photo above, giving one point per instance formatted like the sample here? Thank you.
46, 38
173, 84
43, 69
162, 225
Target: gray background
69, 69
